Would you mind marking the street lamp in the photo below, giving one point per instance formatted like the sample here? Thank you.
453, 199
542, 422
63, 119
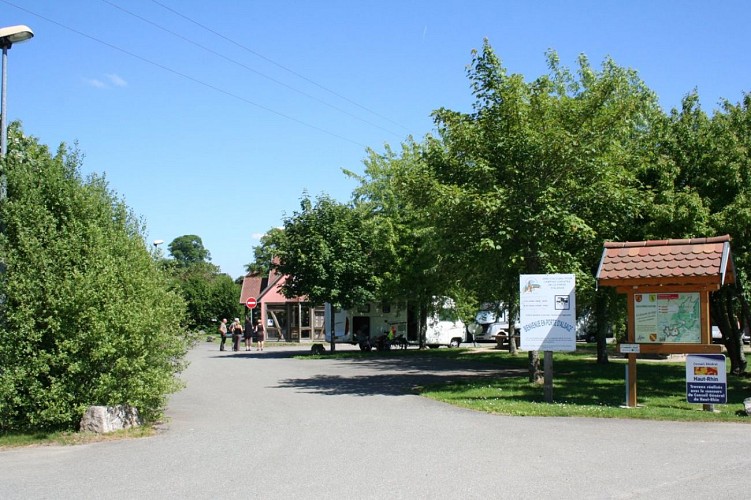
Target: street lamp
9, 36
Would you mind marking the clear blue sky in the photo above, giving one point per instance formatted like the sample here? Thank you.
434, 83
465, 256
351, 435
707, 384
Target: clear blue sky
212, 118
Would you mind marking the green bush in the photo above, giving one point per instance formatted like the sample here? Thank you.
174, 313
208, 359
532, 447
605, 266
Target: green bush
87, 317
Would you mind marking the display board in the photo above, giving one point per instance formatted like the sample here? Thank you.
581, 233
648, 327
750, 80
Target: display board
547, 312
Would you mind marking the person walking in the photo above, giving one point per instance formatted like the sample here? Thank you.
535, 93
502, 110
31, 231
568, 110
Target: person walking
237, 331
260, 334
223, 333
248, 333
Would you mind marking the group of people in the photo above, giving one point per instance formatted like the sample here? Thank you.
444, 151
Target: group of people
250, 333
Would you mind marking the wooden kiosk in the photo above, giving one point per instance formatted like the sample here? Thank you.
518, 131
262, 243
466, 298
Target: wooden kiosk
667, 283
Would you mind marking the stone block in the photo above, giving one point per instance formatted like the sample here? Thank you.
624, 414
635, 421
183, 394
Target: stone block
103, 419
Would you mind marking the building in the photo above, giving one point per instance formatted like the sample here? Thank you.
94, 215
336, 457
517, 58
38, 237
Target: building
286, 319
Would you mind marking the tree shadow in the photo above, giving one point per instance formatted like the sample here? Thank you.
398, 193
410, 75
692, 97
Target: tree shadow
397, 376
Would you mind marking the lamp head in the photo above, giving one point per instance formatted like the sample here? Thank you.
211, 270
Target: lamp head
14, 34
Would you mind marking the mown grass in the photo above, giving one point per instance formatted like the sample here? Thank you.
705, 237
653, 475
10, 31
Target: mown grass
581, 388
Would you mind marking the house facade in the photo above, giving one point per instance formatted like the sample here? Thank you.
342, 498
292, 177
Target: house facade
285, 319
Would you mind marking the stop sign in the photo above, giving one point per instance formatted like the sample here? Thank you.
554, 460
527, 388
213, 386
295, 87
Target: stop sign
251, 302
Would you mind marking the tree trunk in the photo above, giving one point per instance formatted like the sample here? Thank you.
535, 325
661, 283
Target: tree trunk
601, 320
725, 318
422, 323
512, 310
536, 375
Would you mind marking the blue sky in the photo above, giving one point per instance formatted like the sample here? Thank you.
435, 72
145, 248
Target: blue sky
213, 118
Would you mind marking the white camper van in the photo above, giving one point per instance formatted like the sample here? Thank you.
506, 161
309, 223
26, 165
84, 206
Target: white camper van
364, 325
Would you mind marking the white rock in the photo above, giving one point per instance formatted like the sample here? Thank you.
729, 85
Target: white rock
103, 419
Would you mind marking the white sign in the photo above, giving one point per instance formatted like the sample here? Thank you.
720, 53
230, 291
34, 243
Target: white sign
547, 312
630, 348
706, 379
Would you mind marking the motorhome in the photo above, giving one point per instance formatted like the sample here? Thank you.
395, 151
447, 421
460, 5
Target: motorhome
364, 324
490, 321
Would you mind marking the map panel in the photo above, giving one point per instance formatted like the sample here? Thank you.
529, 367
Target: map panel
667, 318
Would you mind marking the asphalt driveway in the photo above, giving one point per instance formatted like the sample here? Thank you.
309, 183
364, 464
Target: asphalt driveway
264, 425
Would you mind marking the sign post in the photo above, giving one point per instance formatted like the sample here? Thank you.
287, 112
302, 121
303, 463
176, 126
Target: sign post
547, 314
251, 303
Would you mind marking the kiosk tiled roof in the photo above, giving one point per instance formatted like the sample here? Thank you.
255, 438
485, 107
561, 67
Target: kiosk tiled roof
695, 261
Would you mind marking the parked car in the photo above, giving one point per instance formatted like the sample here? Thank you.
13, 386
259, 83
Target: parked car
716, 335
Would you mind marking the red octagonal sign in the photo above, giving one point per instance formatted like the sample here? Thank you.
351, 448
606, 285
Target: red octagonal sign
251, 302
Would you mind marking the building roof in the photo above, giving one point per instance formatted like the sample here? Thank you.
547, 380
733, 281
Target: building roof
695, 261
253, 284
265, 289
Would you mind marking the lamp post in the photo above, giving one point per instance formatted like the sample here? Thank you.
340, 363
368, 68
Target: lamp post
9, 36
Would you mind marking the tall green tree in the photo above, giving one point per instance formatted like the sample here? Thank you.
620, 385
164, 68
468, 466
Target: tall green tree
408, 256
209, 294
541, 172
188, 249
326, 255
701, 178
87, 315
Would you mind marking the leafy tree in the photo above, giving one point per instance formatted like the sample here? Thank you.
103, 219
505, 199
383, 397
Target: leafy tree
325, 254
209, 294
265, 252
702, 178
87, 317
188, 249
540, 173
408, 257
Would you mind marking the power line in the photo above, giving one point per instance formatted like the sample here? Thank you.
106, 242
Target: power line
218, 54
183, 75
280, 65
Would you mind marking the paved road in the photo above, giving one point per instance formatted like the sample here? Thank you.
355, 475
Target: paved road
264, 425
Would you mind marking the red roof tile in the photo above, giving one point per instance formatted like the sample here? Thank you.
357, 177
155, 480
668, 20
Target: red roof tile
667, 262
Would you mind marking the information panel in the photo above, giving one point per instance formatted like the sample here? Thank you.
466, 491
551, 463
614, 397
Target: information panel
547, 312
706, 379
667, 318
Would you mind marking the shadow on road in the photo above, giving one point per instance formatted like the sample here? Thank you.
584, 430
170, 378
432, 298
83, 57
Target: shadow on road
394, 377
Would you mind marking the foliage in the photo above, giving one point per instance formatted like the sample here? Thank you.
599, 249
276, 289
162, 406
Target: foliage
188, 249
326, 254
87, 316
408, 257
265, 253
209, 295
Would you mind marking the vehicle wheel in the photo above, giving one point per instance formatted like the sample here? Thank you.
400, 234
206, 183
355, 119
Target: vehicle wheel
365, 347
455, 343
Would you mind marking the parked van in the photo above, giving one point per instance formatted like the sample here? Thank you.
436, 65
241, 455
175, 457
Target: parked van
364, 325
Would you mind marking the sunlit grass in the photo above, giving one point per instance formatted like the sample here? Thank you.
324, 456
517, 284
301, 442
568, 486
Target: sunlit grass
581, 388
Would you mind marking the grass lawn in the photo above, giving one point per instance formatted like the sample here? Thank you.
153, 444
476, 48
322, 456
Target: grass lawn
71, 438
581, 388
